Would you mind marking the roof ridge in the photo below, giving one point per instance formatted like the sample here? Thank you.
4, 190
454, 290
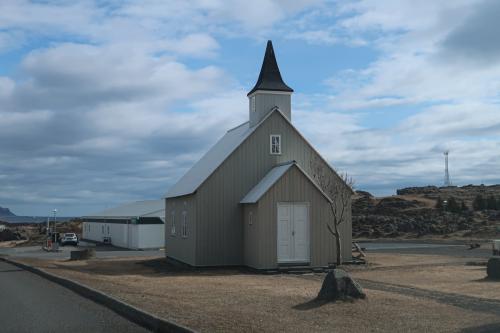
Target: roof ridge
286, 163
261, 188
188, 187
232, 129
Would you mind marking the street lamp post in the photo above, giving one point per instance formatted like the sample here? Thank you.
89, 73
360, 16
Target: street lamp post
55, 235
48, 232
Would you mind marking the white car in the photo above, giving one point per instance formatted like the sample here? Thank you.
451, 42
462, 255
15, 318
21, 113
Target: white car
69, 238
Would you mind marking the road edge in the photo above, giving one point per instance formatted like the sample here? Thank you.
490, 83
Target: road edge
138, 316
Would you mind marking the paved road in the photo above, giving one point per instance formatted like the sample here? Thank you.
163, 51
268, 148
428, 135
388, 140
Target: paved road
29, 303
426, 248
64, 252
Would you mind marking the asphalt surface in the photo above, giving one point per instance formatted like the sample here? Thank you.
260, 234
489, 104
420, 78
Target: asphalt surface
64, 252
29, 303
462, 251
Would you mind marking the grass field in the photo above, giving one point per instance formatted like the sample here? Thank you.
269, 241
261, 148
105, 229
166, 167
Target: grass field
411, 293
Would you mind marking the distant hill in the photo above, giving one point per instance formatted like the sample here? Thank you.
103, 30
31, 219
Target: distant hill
6, 212
414, 212
466, 193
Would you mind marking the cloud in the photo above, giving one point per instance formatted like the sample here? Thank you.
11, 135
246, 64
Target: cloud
476, 38
112, 102
84, 119
428, 75
197, 44
463, 120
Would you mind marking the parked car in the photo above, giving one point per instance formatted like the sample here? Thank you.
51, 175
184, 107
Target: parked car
69, 238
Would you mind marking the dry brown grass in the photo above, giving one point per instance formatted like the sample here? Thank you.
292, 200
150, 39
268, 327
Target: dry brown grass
454, 276
14, 243
232, 300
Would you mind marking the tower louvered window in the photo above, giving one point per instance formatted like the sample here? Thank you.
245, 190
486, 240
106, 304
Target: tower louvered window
275, 141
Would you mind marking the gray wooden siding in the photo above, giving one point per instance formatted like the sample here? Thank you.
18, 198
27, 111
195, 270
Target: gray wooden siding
177, 247
220, 215
262, 235
251, 235
264, 102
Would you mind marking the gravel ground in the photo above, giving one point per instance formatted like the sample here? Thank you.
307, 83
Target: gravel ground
225, 300
462, 301
453, 277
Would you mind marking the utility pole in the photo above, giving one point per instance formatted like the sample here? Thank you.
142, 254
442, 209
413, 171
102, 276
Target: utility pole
446, 173
48, 232
55, 235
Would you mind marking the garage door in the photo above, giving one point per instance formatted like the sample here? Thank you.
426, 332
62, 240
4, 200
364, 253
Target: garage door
293, 233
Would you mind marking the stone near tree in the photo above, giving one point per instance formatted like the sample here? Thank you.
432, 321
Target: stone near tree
493, 268
338, 284
82, 254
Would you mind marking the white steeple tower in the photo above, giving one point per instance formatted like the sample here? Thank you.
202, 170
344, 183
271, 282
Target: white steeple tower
270, 91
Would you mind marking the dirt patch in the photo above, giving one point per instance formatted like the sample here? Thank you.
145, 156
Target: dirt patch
457, 278
14, 243
237, 300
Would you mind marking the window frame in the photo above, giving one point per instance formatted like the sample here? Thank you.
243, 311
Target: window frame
172, 228
253, 106
250, 218
278, 145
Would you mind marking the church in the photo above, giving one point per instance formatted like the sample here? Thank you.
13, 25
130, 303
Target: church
252, 200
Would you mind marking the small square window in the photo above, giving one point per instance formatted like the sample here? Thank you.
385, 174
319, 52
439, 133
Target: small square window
275, 144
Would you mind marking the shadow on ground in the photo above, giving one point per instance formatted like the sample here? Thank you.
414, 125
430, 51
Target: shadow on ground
486, 279
310, 305
314, 303
488, 328
147, 267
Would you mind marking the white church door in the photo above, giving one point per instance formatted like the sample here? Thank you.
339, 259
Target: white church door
293, 233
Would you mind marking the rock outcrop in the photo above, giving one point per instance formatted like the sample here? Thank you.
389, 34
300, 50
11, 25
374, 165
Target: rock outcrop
413, 213
6, 212
9, 235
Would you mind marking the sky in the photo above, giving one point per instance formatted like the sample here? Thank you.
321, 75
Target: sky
105, 102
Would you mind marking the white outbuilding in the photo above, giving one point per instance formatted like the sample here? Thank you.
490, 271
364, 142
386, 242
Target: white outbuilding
135, 225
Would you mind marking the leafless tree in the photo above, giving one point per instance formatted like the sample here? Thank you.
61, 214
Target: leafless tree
339, 188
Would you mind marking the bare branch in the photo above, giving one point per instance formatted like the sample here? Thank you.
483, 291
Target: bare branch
330, 229
338, 187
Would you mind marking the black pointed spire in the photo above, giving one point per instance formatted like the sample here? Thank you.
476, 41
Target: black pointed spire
270, 77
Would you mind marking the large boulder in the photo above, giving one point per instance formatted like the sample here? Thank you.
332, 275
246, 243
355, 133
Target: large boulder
82, 254
493, 268
9, 235
338, 284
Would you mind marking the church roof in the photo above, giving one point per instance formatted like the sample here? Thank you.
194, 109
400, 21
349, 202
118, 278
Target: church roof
270, 77
271, 178
193, 179
200, 171
190, 182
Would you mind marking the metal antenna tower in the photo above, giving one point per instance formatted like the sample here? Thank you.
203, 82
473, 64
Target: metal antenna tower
446, 173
